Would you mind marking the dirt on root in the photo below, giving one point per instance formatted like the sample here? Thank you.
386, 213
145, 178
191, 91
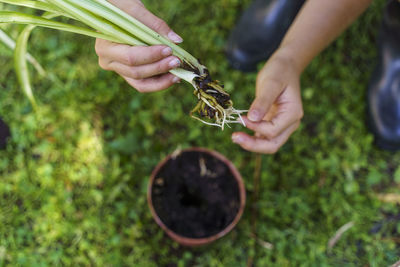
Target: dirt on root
195, 195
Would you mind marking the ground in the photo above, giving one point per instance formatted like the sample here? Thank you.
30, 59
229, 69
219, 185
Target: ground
73, 179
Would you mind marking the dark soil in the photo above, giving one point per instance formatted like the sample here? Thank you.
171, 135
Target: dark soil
195, 195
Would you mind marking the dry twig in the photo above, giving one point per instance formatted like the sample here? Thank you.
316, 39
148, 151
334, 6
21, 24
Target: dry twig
332, 242
256, 190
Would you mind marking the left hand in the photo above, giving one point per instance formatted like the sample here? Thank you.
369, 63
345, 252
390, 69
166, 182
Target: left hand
145, 68
277, 109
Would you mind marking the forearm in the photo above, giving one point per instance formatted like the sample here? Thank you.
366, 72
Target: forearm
316, 26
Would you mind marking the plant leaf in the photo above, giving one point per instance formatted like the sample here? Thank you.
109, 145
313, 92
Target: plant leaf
36, 5
20, 59
21, 18
97, 22
10, 43
21, 67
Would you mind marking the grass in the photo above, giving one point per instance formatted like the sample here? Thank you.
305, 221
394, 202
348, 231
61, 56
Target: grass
74, 175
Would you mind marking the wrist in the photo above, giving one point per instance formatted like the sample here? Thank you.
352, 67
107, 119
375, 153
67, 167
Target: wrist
291, 56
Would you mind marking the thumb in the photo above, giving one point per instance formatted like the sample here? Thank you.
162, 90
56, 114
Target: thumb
137, 10
267, 91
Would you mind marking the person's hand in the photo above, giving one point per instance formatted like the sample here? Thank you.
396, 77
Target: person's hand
144, 67
277, 109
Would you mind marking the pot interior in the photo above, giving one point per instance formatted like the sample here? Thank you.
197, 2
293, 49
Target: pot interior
195, 194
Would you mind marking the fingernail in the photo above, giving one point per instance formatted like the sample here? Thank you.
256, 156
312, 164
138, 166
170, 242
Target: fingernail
174, 37
237, 139
166, 51
254, 115
174, 63
176, 80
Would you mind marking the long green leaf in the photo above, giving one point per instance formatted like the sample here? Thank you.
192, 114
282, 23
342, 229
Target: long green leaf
20, 65
15, 17
10, 43
36, 5
116, 19
21, 18
96, 22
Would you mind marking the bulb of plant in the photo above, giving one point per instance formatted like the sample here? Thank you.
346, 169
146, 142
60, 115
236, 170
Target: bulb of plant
108, 22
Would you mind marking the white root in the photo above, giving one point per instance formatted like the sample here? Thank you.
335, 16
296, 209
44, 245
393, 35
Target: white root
208, 123
229, 115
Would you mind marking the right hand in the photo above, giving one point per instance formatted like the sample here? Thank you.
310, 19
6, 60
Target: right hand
277, 109
143, 67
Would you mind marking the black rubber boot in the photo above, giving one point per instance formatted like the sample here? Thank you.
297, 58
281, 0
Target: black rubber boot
384, 86
4, 134
260, 31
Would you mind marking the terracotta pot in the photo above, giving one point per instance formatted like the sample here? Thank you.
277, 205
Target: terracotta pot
187, 241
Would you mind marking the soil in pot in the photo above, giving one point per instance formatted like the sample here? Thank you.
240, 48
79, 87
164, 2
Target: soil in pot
195, 195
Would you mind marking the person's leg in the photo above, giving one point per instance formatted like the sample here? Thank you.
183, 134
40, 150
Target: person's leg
4, 134
260, 31
384, 87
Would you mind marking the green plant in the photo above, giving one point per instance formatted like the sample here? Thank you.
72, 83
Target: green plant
108, 22
20, 59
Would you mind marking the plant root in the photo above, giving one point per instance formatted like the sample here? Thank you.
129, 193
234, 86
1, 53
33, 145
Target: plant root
214, 103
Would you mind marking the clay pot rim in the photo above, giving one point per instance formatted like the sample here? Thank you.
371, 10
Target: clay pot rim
187, 241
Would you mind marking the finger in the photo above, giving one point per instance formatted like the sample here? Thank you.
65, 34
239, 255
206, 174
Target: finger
263, 145
265, 97
145, 71
131, 55
278, 124
153, 84
137, 10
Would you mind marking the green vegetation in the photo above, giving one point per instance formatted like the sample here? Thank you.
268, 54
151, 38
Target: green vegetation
73, 178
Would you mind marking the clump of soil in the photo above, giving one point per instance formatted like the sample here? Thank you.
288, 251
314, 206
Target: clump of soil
195, 195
